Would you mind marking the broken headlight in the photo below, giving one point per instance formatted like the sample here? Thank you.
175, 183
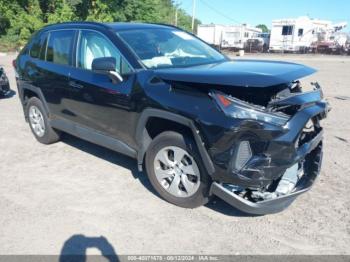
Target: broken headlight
239, 109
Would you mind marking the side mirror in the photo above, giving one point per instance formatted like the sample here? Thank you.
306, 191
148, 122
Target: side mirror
107, 65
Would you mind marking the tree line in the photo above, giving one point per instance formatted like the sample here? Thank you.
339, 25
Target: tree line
19, 19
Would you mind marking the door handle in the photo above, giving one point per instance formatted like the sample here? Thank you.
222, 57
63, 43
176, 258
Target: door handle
75, 85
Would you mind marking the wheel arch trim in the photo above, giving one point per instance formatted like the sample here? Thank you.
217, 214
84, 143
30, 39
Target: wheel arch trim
143, 139
39, 94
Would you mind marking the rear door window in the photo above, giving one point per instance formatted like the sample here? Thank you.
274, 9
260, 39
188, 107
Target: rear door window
60, 46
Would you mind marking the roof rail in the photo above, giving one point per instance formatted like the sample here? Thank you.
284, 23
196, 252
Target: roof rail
77, 23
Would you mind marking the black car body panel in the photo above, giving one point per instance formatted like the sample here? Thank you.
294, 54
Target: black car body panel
118, 115
246, 73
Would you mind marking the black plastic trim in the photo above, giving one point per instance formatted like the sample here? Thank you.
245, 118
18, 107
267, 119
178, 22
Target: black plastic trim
38, 92
93, 136
143, 139
309, 146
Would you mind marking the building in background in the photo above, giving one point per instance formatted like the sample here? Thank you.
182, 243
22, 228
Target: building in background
227, 36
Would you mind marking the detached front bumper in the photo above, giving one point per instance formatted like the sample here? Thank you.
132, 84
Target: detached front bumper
312, 151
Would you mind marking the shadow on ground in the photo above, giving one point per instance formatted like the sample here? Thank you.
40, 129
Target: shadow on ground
74, 249
110, 156
222, 207
124, 161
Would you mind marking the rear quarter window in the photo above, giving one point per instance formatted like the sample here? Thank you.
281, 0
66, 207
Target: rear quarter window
38, 46
60, 46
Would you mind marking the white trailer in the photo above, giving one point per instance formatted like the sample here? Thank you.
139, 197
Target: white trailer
236, 36
227, 36
211, 33
296, 34
232, 37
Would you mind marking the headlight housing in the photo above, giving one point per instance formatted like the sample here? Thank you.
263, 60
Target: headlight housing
239, 109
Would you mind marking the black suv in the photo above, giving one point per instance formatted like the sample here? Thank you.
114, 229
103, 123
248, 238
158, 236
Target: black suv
200, 123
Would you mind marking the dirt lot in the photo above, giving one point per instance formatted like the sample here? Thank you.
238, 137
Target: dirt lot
51, 194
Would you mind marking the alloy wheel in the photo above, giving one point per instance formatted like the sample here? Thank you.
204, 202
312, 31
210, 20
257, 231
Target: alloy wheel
36, 120
177, 171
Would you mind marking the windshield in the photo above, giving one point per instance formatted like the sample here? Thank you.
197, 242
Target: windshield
168, 48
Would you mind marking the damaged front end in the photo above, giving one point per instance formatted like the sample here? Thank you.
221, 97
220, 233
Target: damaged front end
276, 149
263, 133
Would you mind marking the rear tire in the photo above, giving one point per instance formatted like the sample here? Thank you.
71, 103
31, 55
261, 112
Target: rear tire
39, 123
175, 170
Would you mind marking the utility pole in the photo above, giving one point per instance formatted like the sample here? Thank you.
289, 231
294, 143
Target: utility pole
193, 13
176, 11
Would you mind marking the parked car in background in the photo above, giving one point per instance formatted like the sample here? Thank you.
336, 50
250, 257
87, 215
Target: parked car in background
336, 44
4, 83
199, 123
347, 47
258, 43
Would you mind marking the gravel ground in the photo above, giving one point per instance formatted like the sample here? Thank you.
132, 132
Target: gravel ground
74, 193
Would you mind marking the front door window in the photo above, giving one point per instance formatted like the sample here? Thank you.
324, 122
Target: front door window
94, 45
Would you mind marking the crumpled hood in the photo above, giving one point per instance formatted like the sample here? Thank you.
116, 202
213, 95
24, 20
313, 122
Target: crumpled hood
248, 73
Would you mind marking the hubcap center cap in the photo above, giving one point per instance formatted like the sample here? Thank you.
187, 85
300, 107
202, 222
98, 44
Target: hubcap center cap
177, 170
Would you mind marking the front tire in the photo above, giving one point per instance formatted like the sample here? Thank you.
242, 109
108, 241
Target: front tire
175, 170
39, 123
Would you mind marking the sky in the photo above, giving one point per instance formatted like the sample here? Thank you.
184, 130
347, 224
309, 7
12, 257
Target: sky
254, 12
